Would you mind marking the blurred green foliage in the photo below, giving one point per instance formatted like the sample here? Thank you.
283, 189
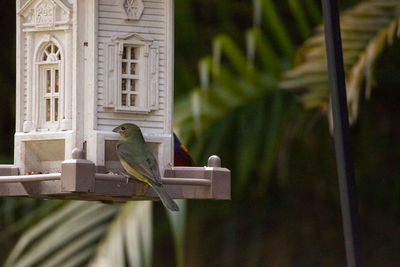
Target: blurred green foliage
285, 209
196, 24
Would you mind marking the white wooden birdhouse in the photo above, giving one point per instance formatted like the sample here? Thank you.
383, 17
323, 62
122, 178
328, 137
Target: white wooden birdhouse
83, 68
86, 66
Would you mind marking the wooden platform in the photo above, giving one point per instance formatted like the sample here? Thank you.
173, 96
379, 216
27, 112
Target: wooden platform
79, 180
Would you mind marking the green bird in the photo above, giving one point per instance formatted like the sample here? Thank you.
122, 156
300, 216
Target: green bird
139, 162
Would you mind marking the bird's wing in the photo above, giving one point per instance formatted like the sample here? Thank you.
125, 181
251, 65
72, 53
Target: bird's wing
146, 166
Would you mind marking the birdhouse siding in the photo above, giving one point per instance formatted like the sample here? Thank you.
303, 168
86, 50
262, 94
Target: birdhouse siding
151, 25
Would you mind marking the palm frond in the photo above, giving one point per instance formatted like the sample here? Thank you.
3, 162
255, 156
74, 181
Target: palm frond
129, 238
71, 236
238, 103
229, 87
63, 235
275, 23
232, 78
19, 214
366, 30
301, 18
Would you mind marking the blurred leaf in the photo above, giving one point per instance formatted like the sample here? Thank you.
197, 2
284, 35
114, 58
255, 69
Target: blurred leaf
178, 226
129, 239
63, 233
238, 104
366, 29
273, 20
32, 211
301, 19
70, 237
265, 51
313, 10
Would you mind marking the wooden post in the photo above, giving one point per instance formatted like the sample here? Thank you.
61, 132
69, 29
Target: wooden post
78, 174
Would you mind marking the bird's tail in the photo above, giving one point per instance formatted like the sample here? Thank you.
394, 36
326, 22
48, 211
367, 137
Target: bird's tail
165, 198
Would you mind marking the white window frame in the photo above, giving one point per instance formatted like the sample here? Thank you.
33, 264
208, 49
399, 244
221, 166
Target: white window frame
42, 66
53, 96
140, 96
147, 84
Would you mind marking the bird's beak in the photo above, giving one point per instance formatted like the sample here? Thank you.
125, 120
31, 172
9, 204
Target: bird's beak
116, 130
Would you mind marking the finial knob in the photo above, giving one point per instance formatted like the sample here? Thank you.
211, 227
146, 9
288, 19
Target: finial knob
77, 153
214, 161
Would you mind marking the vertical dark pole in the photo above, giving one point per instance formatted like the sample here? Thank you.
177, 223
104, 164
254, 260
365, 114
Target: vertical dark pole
344, 159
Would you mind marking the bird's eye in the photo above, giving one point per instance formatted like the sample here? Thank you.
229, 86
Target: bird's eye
123, 128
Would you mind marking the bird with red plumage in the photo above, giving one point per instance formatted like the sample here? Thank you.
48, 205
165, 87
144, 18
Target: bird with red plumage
181, 154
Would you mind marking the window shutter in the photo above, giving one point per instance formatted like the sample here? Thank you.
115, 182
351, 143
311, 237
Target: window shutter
109, 89
153, 79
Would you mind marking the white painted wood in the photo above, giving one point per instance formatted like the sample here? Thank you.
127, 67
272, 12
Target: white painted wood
66, 123
155, 24
169, 28
91, 35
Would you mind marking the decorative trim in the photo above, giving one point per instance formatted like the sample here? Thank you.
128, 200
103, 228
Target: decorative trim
65, 6
45, 12
132, 37
46, 15
131, 9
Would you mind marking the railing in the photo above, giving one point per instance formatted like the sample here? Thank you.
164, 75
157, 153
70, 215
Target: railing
30, 178
100, 177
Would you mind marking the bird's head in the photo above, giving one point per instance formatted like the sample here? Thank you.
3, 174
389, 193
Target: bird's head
128, 130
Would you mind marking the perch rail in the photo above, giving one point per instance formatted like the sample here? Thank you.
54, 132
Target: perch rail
101, 177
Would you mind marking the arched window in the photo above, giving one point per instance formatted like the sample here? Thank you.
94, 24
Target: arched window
49, 86
51, 53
